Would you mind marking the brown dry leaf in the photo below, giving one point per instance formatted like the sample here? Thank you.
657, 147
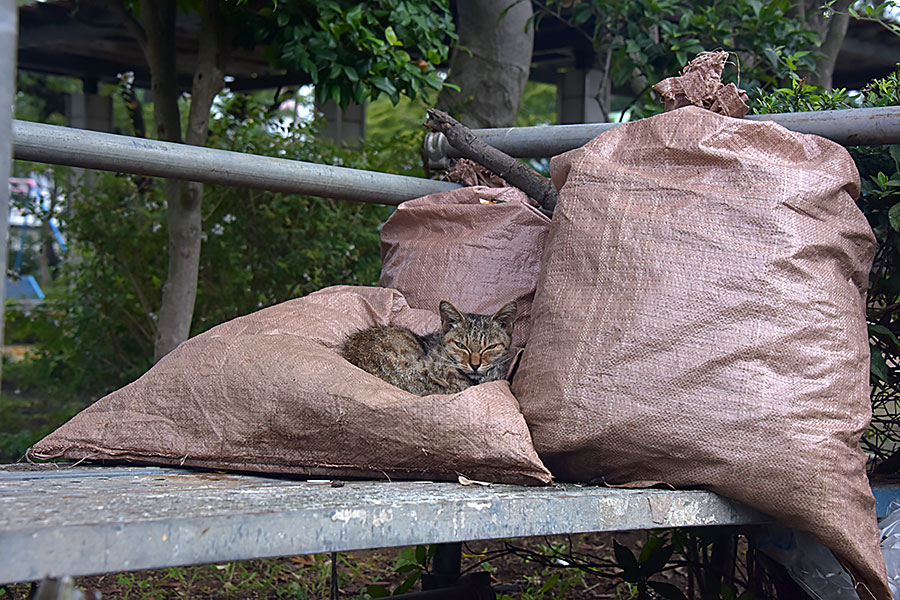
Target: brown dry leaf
700, 84
640, 484
468, 172
466, 481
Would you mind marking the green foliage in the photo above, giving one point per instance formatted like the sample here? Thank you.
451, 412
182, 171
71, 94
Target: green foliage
800, 97
26, 419
42, 98
355, 51
411, 563
649, 40
386, 121
538, 105
877, 12
259, 248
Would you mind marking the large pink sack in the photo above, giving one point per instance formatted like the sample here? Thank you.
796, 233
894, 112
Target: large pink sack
269, 392
477, 247
700, 320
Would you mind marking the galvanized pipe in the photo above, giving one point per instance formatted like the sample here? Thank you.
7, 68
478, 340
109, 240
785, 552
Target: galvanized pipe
9, 18
94, 150
852, 127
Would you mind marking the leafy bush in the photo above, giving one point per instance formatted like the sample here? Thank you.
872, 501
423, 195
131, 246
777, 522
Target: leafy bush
645, 41
355, 51
259, 248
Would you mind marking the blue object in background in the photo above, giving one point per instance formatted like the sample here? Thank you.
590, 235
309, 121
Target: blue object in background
25, 287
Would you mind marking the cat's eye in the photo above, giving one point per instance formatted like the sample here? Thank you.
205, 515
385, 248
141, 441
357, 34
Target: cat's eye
460, 346
491, 347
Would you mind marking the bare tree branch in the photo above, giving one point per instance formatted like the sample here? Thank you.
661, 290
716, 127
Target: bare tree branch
133, 26
538, 187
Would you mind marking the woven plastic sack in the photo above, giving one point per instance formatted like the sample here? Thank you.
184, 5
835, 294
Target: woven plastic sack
700, 321
477, 247
269, 392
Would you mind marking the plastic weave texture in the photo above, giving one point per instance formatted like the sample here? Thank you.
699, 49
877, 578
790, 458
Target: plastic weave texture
700, 320
477, 247
269, 392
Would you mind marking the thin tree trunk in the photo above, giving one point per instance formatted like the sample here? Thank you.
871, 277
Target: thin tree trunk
491, 63
183, 198
833, 30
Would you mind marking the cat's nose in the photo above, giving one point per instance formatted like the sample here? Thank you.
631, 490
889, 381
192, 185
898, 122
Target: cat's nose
475, 362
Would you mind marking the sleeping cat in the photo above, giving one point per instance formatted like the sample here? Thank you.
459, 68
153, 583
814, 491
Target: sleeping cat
468, 350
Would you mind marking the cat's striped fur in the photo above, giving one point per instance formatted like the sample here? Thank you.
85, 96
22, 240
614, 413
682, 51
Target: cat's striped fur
468, 350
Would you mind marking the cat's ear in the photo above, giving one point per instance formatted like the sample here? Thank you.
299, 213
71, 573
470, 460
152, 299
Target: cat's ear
449, 315
506, 315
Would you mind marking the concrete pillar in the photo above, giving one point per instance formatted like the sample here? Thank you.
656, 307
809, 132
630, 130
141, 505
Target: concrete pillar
90, 111
578, 96
346, 126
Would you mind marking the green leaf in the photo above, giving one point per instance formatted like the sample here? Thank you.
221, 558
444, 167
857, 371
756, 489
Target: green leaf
384, 85
656, 561
407, 568
391, 37
377, 591
877, 365
653, 543
407, 583
626, 561
875, 328
351, 73
667, 590
771, 55
422, 555
581, 12
550, 583
894, 217
894, 151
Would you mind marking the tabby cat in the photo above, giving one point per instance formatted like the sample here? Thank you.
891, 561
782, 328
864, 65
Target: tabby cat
468, 350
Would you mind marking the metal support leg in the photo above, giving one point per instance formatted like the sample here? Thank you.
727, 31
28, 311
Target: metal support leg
445, 567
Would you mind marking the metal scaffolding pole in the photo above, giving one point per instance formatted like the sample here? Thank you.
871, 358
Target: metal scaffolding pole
94, 150
9, 16
853, 127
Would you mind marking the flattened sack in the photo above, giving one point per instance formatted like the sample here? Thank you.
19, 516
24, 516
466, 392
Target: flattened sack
478, 247
700, 320
269, 392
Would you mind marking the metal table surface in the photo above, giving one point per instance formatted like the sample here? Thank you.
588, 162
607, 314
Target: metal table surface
88, 520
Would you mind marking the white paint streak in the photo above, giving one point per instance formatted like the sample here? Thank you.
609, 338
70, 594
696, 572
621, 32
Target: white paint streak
346, 514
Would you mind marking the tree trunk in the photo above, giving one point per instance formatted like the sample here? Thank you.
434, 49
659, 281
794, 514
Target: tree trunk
490, 64
832, 31
183, 197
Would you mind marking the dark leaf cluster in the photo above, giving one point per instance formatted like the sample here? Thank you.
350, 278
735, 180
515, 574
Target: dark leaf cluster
354, 51
645, 41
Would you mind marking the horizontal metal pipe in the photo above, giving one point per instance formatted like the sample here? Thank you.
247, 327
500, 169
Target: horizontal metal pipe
852, 127
94, 150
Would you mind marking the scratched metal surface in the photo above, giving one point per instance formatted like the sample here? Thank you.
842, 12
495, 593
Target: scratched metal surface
87, 520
